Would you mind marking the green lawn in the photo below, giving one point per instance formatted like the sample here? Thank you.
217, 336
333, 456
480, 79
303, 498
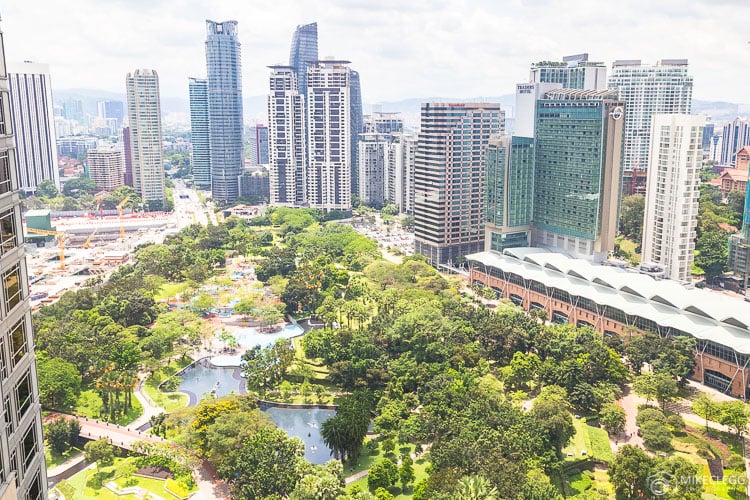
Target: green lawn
171, 290
591, 439
366, 461
80, 486
89, 405
52, 458
170, 401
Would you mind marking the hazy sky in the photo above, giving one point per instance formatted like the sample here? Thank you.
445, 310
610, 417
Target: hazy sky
402, 48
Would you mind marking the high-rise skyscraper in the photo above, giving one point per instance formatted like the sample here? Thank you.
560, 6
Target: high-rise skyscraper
665, 88
735, 135
574, 72
106, 167
144, 116
286, 138
304, 50
356, 124
400, 175
258, 144
510, 189
199, 136
22, 471
112, 109
33, 115
127, 153
671, 213
329, 129
373, 160
377, 162
224, 109
449, 183
577, 171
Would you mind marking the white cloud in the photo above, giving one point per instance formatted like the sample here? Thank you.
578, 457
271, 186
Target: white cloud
402, 49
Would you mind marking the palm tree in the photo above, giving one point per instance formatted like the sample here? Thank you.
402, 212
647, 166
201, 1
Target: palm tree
475, 488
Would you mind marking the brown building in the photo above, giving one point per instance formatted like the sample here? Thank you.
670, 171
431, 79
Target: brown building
614, 301
731, 179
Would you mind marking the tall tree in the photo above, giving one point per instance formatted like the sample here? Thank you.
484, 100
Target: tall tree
269, 462
631, 217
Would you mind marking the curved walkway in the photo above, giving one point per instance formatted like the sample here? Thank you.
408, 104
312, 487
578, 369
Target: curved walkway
209, 487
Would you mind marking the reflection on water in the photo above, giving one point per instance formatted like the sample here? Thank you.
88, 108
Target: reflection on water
305, 424
201, 380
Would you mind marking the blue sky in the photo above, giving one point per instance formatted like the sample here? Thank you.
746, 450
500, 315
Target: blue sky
413, 48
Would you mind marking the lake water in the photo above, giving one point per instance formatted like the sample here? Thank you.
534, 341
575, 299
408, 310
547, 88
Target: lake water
305, 424
200, 380
248, 338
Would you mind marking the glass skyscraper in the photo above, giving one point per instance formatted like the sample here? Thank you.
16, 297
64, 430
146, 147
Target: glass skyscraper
509, 164
304, 50
577, 171
199, 132
356, 123
224, 109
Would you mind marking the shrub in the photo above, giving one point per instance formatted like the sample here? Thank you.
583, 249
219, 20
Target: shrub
676, 422
650, 414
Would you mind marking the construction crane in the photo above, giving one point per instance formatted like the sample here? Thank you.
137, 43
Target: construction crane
87, 243
119, 212
60, 241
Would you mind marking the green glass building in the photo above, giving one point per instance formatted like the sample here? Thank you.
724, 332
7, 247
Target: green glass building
509, 166
577, 171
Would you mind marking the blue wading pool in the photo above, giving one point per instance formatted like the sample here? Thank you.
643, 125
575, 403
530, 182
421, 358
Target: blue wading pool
248, 338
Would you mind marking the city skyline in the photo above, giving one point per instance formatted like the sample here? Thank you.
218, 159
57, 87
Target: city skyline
443, 49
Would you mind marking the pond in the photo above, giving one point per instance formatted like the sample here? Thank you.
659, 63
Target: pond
248, 338
305, 423
200, 380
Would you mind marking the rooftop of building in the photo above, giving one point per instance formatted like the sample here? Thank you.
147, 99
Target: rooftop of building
704, 314
638, 63
37, 213
736, 174
582, 94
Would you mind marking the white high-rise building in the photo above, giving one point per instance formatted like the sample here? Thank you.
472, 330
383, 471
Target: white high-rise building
34, 118
573, 72
286, 138
106, 167
672, 193
664, 88
144, 115
373, 158
329, 141
400, 172
734, 135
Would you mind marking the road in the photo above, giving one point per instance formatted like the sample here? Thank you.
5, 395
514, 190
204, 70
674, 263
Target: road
188, 207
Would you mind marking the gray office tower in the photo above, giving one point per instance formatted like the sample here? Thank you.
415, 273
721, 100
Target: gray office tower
199, 133
304, 50
224, 109
356, 123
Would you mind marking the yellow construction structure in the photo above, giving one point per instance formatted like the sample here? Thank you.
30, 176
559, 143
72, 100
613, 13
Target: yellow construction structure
60, 241
119, 212
87, 243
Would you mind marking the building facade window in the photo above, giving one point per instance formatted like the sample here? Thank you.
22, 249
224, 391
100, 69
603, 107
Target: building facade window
12, 289
29, 447
5, 175
8, 234
24, 395
18, 346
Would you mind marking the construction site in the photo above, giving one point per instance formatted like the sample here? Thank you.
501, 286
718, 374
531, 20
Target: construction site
64, 252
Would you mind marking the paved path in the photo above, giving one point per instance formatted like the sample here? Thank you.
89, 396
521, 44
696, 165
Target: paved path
124, 437
356, 476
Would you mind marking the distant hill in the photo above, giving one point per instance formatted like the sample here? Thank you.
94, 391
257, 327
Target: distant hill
255, 110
